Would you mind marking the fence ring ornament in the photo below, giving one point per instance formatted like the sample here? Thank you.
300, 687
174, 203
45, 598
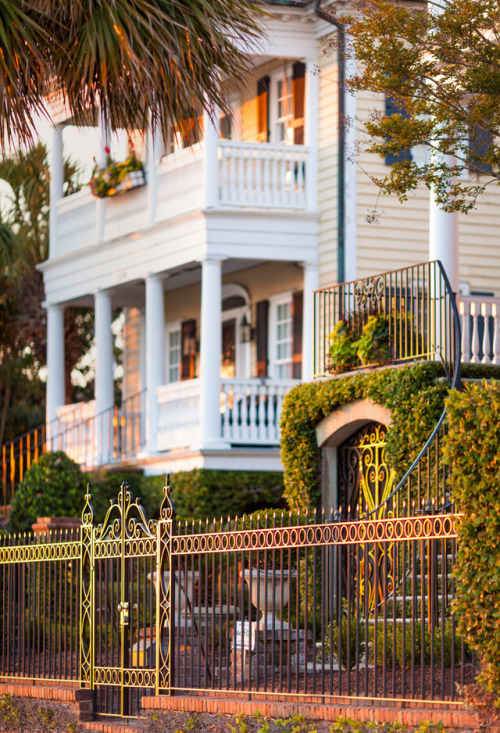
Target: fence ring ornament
371, 531
419, 528
438, 525
380, 530
399, 529
428, 527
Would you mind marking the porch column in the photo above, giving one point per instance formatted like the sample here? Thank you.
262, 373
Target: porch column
210, 352
155, 355
55, 361
56, 184
152, 179
311, 133
211, 129
443, 237
104, 142
310, 285
104, 378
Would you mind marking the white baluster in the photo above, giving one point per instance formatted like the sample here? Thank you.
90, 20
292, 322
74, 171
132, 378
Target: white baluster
253, 434
464, 314
496, 344
258, 177
232, 175
241, 176
485, 312
225, 412
274, 181
284, 171
475, 334
223, 175
267, 198
300, 193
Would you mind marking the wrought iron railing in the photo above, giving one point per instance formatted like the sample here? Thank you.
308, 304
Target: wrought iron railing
391, 318
89, 438
313, 605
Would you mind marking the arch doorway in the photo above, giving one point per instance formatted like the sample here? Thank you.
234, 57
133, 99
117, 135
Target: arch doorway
364, 480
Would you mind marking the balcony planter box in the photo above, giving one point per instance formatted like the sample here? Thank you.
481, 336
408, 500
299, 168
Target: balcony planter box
117, 178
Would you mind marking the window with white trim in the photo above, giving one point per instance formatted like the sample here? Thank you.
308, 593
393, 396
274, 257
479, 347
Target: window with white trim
281, 337
173, 355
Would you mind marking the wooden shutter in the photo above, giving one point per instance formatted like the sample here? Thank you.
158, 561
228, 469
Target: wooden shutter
263, 110
393, 108
480, 142
261, 337
297, 317
298, 96
188, 349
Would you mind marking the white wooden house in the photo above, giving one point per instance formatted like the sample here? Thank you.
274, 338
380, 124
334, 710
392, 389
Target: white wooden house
216, 257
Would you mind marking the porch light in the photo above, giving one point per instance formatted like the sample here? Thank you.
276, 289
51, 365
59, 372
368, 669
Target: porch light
247, 333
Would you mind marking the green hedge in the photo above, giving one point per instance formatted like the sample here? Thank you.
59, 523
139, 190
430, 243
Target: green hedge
472, 450
414, 394
56, 486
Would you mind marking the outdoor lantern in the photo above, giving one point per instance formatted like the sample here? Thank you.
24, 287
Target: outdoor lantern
246, 330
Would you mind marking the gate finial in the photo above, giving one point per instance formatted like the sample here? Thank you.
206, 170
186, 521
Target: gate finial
88, 509
167, 509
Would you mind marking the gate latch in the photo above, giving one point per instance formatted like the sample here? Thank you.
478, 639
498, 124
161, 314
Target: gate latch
123, 610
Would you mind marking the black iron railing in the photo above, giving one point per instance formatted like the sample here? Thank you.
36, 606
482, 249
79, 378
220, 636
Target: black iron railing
398, 316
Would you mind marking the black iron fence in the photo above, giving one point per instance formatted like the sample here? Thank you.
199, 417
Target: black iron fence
313, 605
390, 318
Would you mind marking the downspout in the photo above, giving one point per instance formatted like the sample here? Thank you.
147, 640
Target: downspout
341, 139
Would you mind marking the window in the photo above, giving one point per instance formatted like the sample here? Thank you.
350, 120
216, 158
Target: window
173, 360
281, 333
288, 104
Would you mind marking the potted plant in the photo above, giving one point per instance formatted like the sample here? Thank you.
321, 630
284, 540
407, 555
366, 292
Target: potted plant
342, 348
118, 177
374, 345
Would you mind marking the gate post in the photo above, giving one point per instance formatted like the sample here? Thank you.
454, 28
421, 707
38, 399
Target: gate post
165, 614
87, 604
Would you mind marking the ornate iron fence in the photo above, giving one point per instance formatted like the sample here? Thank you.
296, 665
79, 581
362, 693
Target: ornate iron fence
312, 606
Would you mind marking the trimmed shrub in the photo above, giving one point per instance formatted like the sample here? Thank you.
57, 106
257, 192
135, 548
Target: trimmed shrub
55, 486
472, 451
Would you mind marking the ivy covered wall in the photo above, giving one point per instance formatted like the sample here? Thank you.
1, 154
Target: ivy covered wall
414, 394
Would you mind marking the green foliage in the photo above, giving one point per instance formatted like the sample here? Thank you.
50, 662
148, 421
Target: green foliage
374, 345
401, 48
343, 639
413, 394
342, 348
55, 486
348, 725
209, 493
472, 453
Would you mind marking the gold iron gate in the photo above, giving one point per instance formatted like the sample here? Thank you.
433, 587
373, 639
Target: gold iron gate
126, 609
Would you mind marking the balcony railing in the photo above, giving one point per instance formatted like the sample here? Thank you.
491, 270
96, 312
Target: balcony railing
250, 412
479, 320
247, 175
391, 318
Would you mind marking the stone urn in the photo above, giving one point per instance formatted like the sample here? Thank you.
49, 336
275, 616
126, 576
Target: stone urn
269, 593
185, 581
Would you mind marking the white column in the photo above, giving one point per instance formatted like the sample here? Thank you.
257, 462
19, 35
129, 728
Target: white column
104, 378
211, 160
310, 285
210, 353
153, 149
56, 184
155, 355
104, 144
351, 192
55, 361
443, 237
311, 133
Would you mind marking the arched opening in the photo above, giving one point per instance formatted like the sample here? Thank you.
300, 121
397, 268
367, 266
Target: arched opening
336, 435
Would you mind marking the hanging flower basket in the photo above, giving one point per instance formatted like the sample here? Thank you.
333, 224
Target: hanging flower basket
117, 178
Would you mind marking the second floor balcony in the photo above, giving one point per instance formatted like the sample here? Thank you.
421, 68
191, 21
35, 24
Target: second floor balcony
219, 174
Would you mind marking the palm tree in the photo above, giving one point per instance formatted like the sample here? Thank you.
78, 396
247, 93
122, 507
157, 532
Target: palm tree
138, 63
